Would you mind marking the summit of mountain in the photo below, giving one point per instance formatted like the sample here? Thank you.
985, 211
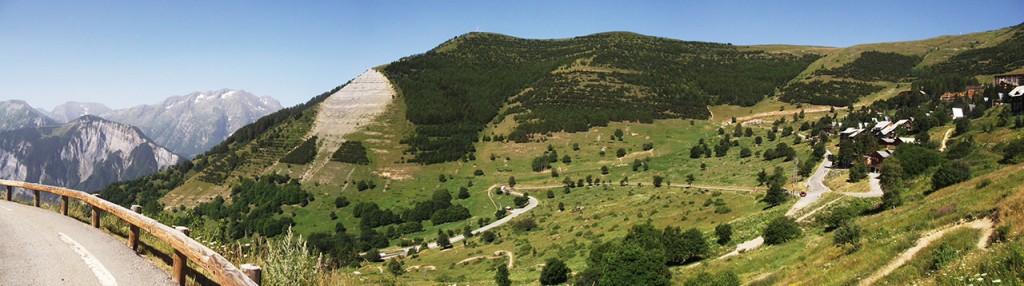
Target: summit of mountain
71, 110
17, 114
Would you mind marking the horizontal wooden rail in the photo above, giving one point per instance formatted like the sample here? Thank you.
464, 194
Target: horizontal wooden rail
221, 269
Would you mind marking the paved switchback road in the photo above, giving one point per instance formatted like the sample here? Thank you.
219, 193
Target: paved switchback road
815, 187
42, 247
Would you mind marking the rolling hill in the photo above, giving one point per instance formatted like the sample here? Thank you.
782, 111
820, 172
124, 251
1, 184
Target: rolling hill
608, 132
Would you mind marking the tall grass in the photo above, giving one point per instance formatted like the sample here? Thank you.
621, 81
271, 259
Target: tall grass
286, 260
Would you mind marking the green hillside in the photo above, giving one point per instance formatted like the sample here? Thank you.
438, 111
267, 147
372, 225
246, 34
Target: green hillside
573, 84
850, 75
609, 133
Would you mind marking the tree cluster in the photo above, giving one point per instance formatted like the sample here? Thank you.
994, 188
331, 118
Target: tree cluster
351, 152
642, 257
834, 93
875, 66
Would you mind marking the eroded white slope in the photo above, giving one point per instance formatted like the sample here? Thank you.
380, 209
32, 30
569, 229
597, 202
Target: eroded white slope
345, 111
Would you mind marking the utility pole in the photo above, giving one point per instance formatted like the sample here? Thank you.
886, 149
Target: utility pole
796, 167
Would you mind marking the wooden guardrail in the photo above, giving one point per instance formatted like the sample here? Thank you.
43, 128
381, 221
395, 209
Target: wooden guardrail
221, 269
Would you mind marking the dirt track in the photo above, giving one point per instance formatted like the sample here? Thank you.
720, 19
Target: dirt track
497, 254
815, 109
985, 225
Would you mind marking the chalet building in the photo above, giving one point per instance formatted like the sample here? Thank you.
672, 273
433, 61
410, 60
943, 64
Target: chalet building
850, 133
1016, 100
891, 143
1009, 79
875, 159
887, 129
972, 90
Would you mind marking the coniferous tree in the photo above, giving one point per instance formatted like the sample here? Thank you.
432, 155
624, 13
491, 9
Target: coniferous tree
501, 276
724, 233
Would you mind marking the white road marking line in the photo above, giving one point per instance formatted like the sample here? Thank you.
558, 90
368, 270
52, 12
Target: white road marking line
10, 210
101, 272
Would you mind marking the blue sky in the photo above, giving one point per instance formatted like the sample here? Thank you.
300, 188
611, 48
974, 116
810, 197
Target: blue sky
124, 53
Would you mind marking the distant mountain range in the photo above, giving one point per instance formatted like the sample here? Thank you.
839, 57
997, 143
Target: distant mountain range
193, 123
81, 145
85, 154
16, 114
187, 124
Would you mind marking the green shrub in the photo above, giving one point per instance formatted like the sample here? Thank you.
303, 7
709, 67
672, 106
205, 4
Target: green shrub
848, 233
722, 278
341, 202
949, 174
555, 272
288, 261
1013, 152
781, 230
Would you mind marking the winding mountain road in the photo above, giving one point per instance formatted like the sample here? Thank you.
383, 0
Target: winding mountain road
386, 254
41, 247
815, 189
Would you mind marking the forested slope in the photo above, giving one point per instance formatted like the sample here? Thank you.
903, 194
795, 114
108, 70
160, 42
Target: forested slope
845, 76
573, 84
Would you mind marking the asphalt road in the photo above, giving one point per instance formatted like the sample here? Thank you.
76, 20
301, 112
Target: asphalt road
387, 254
42, 247
815, 187
875, 187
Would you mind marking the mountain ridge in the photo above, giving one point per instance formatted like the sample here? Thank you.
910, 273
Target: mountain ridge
85, 154
18, 114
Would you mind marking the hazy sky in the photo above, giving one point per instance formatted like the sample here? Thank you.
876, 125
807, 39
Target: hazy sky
124, 53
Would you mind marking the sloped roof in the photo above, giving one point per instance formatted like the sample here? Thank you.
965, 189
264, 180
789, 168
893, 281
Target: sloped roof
1017, 91
881, 124
958, 112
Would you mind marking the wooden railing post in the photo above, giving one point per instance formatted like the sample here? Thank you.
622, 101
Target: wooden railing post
180, 261
10, 191
254, 272
95, 217
35, 199
133, 234
64, 205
